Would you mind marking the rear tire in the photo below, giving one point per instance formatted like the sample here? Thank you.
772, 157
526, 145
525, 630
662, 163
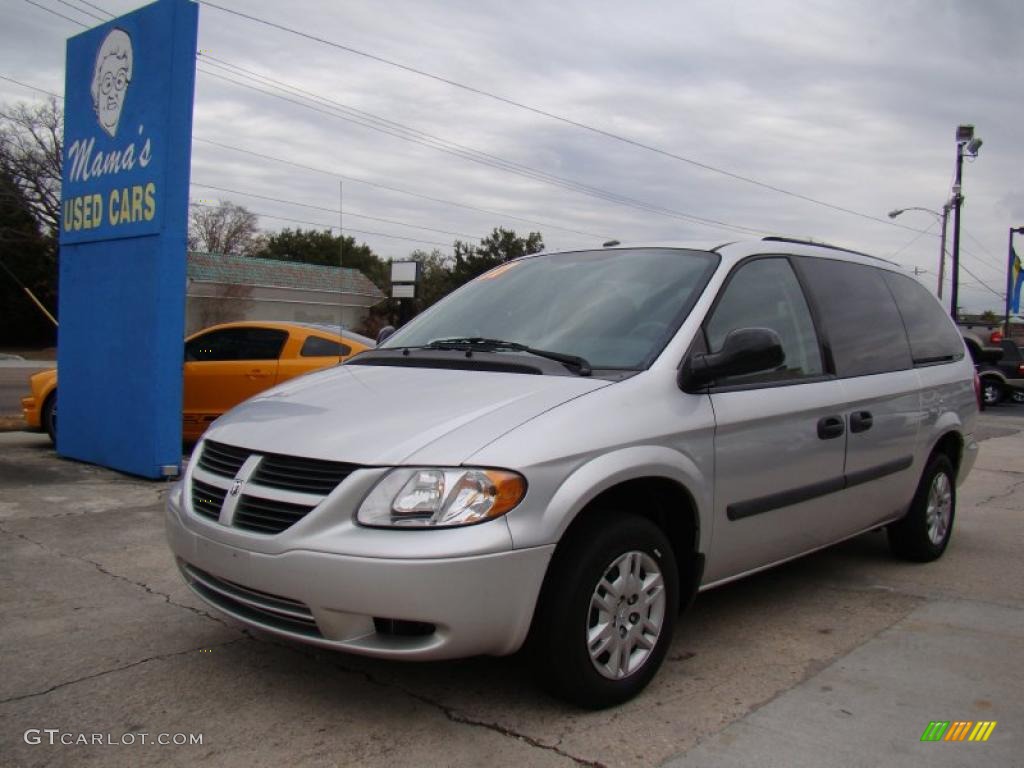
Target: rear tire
924, 533
607, 611
48, 417
992, 392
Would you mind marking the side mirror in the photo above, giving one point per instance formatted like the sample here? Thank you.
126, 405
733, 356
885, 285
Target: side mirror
384, 332
745, 350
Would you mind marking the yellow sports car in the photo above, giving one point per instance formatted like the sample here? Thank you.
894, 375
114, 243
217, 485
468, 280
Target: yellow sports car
224, 365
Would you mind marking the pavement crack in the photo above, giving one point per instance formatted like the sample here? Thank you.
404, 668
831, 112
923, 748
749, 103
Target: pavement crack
99, 567
93, 676
1005, 494
449, 712
455, 717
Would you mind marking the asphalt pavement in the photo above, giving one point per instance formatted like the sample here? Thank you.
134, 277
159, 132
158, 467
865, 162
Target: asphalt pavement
842, 658
14, 375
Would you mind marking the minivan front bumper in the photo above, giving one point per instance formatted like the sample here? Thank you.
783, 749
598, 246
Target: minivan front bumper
422, 609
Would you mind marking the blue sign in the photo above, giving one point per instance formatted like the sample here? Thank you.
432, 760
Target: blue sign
127, 148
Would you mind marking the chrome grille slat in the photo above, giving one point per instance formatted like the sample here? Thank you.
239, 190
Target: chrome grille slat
223, 460
303, 483
265, 515
207, 500
299, 474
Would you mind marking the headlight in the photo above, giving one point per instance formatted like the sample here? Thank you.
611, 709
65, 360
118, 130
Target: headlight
439, 498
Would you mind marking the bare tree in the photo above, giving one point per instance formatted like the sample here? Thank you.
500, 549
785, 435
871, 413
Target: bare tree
31, 148
225, 304
228, 228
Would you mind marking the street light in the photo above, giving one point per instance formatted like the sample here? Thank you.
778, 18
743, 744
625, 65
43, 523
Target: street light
944, 216
1009, 278
965, 142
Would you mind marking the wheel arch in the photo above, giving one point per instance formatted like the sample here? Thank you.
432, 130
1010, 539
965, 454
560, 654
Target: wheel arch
951, 445
667, 503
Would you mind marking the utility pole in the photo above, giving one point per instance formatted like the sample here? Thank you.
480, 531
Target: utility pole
942, 247
965, 141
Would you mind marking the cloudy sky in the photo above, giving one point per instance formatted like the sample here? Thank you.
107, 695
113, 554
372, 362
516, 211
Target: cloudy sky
850, 104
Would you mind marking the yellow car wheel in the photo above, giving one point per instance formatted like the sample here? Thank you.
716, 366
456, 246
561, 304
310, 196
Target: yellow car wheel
49, 416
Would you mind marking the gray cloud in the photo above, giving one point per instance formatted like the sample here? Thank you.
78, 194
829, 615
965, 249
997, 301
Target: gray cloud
852, 103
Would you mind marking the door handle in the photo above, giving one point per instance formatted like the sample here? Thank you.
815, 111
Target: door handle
861, 421
256, 373
830, 427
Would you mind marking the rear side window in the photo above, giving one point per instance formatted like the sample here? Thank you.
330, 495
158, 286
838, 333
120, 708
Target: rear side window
236, 344
933, 338
316, 346
765, 293
863, 326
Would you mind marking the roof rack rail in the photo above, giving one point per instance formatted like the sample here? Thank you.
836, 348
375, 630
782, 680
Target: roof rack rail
802, 241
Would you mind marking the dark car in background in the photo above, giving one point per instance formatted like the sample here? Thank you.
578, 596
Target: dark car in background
1003, 379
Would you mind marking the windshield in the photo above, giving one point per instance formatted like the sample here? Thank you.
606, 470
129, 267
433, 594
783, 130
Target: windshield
614, 308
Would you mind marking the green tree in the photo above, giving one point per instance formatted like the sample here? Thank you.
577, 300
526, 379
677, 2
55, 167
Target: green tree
324, 247
435, 277
498, 247
989, 317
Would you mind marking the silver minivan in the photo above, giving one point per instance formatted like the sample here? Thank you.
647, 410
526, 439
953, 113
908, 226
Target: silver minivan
562, 453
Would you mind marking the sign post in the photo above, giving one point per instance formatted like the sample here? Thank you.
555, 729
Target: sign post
405, 277
127, 148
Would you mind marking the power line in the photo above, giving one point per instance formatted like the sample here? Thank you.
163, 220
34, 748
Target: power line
988, 257
333, 227
30, 87
333, 210
101, 10
913, 240
553, 116
82, 11
982, 283
399, 190
56, 13
443, 145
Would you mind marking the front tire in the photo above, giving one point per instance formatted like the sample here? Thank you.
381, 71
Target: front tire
607, 611
924, 533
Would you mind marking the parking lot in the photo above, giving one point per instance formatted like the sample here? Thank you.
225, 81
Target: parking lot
841, 658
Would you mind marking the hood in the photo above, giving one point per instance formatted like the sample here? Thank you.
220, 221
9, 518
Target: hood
383, 415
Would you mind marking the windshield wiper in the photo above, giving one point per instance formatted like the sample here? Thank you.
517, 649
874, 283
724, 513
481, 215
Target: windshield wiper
470, 343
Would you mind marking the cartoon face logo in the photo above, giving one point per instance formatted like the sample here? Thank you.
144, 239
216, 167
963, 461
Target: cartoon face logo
110, 78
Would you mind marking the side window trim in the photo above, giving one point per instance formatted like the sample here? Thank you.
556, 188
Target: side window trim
827, 357
829, 371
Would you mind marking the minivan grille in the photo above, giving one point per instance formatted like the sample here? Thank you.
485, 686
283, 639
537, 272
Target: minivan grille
268, 504
292, 473
252, 604
207, 499
268, 515
223, 460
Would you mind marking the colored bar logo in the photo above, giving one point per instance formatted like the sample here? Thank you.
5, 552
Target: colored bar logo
958, 730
